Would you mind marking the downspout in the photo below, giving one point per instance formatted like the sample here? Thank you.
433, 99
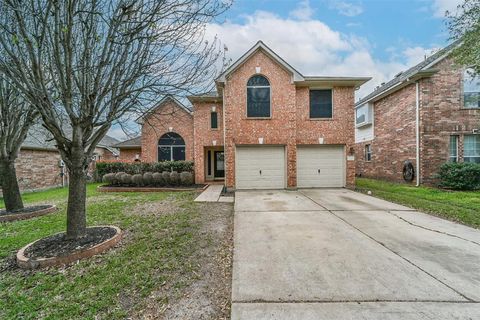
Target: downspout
417, 131
224, 146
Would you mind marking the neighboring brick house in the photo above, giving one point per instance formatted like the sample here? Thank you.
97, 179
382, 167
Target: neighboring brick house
431, 112
130, 150
266, 127
39, 165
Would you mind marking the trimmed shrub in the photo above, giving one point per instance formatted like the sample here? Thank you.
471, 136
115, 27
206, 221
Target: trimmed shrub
137, 179
148, 178
109, 178
158, 179
174, 178
118, 178
102, 168
460, 176
166, 177
186, 178
126, 179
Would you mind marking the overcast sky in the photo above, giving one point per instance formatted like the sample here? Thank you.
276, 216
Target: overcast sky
375, 38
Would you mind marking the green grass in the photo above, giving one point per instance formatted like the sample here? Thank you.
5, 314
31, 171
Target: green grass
460, 206
157, 250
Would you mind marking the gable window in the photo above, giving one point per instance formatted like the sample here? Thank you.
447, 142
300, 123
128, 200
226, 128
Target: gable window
171, 147
471, 148
471, 90
453, 149
321, 105
213, 120
368, 152
258, 97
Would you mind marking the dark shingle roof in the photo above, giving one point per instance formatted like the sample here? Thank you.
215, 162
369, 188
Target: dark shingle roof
108, 141
408, 73
134, 142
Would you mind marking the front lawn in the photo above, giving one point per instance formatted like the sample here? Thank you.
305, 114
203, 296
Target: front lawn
175, 254
460, 206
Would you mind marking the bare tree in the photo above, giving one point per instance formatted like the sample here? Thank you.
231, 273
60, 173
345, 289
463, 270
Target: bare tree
464, 27
16, 116
85, 64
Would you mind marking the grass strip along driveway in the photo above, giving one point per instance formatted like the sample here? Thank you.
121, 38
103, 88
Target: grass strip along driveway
174, 254
459, 206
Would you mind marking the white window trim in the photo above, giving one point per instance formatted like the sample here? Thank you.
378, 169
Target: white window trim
465, 72
171, 150
368, 116
369, 148
457, 139
255, 87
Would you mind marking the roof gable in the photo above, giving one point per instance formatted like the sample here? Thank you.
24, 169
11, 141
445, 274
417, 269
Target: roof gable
297, 76
167, 98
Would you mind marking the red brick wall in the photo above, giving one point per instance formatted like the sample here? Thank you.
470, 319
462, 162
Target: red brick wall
442, 115
130, 154
338, 130
204, 135
289, 123
38, 169
394, 140
169, 114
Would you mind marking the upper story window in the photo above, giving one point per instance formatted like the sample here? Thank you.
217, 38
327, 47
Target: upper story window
363, 115
471, 148
321, 105
471, 90
214, 120
258, 97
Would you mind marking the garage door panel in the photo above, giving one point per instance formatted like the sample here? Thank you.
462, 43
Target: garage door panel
260, 167
320, 166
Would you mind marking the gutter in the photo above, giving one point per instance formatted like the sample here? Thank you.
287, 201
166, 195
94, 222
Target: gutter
417, 131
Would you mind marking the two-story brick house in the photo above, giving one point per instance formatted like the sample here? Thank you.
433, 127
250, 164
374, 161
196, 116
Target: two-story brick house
427, 115
266, 127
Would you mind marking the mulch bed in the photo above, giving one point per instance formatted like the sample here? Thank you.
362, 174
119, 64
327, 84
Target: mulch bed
26, 213
109, 188
30, 209
58, 246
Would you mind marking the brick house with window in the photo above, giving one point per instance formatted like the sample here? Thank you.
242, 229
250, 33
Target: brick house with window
267, 126
39, 164
428, 115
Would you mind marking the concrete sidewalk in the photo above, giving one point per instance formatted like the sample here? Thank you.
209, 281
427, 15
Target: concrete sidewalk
337, 254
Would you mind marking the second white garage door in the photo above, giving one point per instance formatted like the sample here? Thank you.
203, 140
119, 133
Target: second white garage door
260, 167
320, 166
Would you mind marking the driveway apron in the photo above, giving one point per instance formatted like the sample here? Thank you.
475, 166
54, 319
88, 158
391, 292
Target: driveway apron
315, 253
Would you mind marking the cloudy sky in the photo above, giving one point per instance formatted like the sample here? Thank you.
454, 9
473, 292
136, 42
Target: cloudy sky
376, 38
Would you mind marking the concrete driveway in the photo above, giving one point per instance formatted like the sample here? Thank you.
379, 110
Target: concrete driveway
338, 254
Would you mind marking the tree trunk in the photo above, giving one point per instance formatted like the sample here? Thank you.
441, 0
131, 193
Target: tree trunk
10, 189
77, 196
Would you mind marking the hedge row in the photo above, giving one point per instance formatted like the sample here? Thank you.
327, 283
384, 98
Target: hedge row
460, 176
102, 168
149, 179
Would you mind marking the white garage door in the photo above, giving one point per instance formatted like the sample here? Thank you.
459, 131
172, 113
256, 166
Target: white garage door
260, 167
320, 166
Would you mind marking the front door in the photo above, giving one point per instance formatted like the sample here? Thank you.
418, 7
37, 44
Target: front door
219, 164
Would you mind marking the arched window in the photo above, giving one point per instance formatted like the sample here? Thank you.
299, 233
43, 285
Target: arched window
171, 147
258, 97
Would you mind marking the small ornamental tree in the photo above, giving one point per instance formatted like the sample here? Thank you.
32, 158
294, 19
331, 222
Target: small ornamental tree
86, 64
16, 117
464, 27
